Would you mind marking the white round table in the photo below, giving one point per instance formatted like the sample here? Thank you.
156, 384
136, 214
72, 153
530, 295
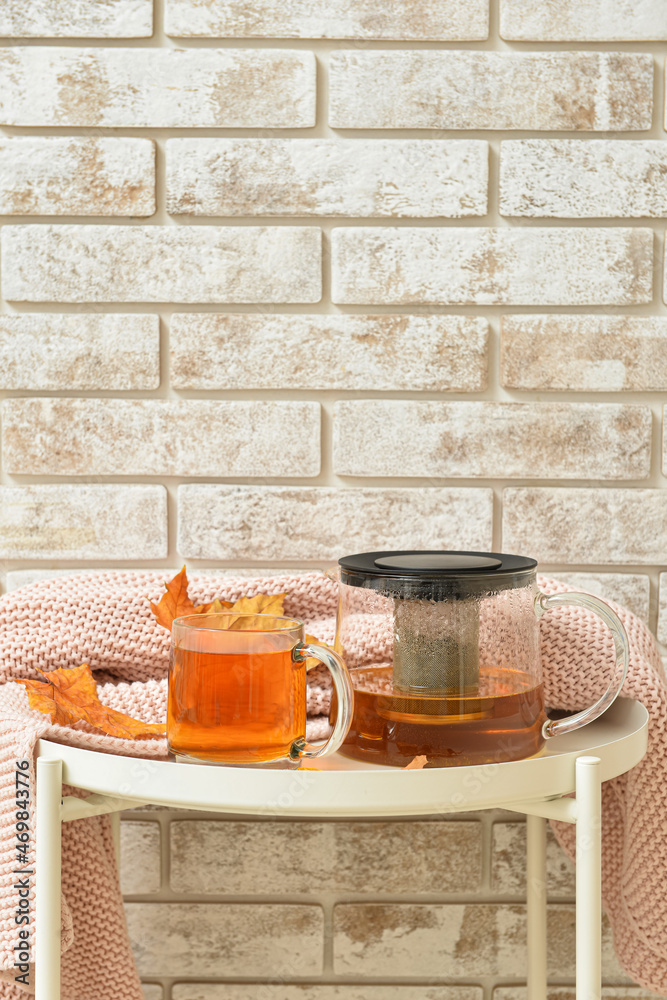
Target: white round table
540, 787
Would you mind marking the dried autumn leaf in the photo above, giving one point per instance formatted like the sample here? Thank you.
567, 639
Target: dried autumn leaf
216, 606
176, 602
260, 604
416, 763
69, 695
313, 661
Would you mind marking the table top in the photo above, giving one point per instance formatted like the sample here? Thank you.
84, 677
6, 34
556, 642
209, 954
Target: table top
344, 787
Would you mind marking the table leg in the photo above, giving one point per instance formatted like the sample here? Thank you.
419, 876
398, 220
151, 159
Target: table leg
589, 855
47, 870
536, 908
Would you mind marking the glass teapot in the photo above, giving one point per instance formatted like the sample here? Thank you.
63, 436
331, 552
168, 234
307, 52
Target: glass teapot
444, 655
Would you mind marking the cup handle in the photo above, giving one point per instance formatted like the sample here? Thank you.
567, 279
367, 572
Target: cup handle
344, 696
555, 727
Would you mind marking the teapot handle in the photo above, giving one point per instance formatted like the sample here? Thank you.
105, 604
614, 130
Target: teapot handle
553, 727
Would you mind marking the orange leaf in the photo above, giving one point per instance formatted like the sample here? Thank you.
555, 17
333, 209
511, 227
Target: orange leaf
260, 604
69, 695
175, 602
416, 763
312, 661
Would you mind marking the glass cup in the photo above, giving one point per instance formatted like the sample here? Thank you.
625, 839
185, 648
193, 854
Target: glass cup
237, 691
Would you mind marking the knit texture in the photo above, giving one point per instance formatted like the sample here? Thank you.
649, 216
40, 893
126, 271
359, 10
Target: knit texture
104, 620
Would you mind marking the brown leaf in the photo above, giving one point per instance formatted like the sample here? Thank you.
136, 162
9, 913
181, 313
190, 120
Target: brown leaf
260, 604
416, 763
69, 695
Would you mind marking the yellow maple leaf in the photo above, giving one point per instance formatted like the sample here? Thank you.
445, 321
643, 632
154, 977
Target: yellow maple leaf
259, 604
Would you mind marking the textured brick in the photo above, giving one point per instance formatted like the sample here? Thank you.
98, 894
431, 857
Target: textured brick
662, 614
77, 176
246, 858
394, 939
577, 21
152, 991
41, 351
555, 266
139, 857
183, 939
631, 590
251, 991
157, 88
508, 862
380, 437
560, 993
161, 264
83, 522
569, 179
598, 91
584, 353
354, 177
249, 523
422, 20
586, 526
105, 437
83, 19
246, 351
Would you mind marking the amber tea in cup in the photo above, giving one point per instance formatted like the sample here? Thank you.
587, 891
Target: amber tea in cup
237, 691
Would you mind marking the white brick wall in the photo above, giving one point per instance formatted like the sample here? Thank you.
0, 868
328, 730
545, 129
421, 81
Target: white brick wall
243, 522
86, 351
398, 939
156, 264
592, 20
76, 18
431, 353
410, 178
123, 437
422, 20
509, 440
447, 266
83, 522
157, 88
43, 176
584, 353
482, 90
570, 179
284, 280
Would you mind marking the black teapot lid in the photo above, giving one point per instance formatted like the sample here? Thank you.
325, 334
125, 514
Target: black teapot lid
436, 574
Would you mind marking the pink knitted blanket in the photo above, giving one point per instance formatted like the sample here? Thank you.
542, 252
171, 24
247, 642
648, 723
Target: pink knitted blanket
104, 620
